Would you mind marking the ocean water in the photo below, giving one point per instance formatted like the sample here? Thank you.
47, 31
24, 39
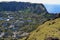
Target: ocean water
52, 8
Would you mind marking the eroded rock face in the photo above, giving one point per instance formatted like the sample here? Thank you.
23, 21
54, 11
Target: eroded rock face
51, 38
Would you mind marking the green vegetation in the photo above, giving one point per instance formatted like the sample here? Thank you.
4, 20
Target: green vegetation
19, 19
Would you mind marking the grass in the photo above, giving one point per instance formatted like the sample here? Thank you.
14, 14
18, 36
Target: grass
48, 29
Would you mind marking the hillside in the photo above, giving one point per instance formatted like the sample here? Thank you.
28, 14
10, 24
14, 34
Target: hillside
18, 19
16, 6
50, 30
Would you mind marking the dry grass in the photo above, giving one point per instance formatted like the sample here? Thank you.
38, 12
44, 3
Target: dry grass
48, 29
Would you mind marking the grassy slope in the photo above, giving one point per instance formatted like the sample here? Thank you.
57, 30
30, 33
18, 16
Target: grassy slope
48, 29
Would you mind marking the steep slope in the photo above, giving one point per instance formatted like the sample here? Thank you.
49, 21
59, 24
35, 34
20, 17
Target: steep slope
48, 29
27, 16
18, 19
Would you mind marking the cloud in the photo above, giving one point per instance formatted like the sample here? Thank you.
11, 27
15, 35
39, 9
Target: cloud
37, 1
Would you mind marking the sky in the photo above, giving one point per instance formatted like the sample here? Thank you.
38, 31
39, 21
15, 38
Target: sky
52, 6
37, 1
